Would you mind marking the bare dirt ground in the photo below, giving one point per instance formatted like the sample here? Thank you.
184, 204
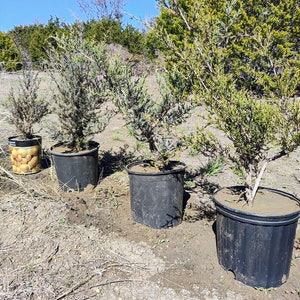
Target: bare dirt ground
56, 245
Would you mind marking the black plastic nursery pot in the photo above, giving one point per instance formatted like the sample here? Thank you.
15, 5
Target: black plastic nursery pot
25, 154
156, 198
75, 171
257, 248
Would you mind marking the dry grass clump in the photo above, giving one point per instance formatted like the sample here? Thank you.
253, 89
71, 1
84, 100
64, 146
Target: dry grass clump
42, 256
46, 255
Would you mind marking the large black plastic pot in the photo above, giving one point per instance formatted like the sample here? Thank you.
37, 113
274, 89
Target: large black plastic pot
75, 171
25, 154
156, 198
257, 248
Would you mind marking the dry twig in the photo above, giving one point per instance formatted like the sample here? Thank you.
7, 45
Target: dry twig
87, 279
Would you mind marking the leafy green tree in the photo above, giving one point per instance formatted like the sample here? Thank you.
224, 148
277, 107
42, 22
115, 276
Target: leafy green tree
36, 46
9, 56
250, 34
106, 30
21, 35
133, 40
153, 45
111, 31
34, 39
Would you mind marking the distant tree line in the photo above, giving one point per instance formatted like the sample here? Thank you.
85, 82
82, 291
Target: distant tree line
34, 40
256, 39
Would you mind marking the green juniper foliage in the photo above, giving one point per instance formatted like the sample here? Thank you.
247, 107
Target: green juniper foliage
240, 61
79, 68
9, 55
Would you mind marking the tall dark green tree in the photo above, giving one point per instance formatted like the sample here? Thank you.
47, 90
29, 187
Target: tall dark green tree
9, 56
247, 34
112, 31
34, 39
133, 40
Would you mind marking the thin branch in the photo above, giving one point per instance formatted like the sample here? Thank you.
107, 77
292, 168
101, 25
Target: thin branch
263, 168
195, 40
84, 281
182, 16
75, 287
111, 282
257, 181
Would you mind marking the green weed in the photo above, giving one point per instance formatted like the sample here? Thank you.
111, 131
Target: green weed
213, 167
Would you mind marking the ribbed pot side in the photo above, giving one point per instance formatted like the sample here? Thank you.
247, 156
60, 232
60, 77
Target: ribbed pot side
75, 171
156, 198
257, 248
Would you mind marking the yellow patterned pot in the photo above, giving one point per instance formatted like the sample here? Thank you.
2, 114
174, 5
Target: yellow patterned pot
25, 154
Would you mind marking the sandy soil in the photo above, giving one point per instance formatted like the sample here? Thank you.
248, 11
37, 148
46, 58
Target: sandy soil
56, 245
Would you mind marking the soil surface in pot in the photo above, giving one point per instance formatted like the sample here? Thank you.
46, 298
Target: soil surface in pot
265, 202
61, 148
150, 168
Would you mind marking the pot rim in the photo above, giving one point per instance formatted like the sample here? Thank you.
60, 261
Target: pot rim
17, 138
16, 141
81, 153
164, 172
257, 215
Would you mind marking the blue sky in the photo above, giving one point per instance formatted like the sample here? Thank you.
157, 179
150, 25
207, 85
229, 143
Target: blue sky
28, 12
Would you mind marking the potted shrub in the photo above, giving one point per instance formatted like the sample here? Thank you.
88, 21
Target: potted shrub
255, 227
156, 182
245, 73
78, 67
26, 108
